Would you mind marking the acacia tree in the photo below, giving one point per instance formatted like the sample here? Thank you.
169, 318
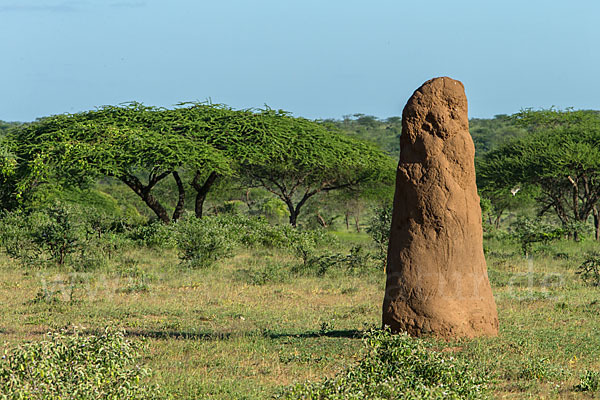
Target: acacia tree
314, 160
243, 136
124, 142
561, 156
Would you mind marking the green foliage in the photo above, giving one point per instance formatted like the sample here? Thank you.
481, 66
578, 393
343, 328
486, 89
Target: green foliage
16, 236
560, 156
153, 234
527, 231
61, 234
589, 382
74, 366
379, 230
203, 241
589, 270
315, 160
357, 261
304, 243
55, 233
384, 133
397, 367
488, 134
539, 370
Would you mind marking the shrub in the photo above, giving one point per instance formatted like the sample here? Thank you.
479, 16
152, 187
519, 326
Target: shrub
154, 234
379, 230
589, 382
54, 233
203, 241
72, 366
397, 367
357, 260
589, 270
16, 237
61, 234
527, 231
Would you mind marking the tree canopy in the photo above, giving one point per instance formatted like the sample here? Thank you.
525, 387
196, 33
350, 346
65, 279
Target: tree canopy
142, 145
560, 156
317, 160
126, 142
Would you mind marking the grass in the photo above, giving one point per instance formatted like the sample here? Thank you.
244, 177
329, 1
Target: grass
248, 326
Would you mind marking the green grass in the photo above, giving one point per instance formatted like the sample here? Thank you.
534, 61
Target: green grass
247, 327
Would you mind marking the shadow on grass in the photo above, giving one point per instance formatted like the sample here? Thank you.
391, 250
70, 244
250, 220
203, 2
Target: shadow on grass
346, 333
208, 336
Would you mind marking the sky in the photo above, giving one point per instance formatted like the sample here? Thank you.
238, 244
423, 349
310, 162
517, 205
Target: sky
315, 58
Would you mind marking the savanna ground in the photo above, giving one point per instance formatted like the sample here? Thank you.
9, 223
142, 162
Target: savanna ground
247, 326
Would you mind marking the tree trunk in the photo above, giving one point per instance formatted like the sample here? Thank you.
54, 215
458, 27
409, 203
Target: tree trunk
596, 222
202, 190
179, 208
357, 222
321, 220
293, 212
144, 192
347, 218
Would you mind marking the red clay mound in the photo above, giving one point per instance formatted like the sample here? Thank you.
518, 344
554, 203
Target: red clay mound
437, 280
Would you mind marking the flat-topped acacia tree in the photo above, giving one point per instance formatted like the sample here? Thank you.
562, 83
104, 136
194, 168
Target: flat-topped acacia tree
315, 160
243, 136
124, 142
560, 156
273, 149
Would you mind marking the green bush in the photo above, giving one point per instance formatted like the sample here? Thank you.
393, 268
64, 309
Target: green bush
61, 234
397, 367
73, 366
16, 237
358, 260
52, 234
527, 231
154, 234
589, 270
379, 230
203, 241
589, 382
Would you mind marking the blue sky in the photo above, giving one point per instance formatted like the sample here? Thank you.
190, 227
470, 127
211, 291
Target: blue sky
317, 59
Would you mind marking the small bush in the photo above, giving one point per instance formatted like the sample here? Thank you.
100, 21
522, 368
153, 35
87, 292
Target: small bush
539, 370
589, 382
379, 230
589, 270
527, 231
397, 367
154, 234
270, 273
62, 234
16, 238
358, 260
203, 241
304, 243
72, 366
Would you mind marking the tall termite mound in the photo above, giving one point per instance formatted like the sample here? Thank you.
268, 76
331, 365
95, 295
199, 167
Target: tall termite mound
437, 280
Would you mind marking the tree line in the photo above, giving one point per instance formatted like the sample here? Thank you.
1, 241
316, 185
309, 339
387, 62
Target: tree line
194, 145
541, 160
